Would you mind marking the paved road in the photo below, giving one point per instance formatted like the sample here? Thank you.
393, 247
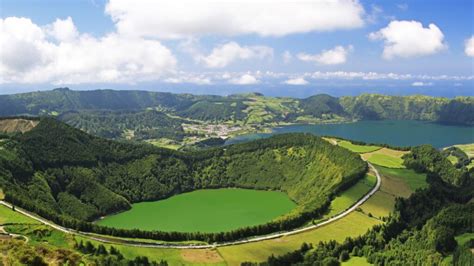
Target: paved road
109, 240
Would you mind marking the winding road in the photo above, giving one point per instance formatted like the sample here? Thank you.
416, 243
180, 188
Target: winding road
110, 240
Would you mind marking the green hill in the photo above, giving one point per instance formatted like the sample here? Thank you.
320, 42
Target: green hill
72, 177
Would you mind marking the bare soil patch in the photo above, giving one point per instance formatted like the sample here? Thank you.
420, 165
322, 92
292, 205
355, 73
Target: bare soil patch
17, 125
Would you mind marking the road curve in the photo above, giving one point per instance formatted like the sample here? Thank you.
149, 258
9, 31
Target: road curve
120, 241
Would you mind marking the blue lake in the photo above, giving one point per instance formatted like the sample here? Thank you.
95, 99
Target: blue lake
399, 133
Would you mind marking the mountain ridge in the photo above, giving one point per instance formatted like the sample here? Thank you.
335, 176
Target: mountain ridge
241, 107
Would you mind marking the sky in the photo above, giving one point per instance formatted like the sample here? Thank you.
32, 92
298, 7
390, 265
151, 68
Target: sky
278, 47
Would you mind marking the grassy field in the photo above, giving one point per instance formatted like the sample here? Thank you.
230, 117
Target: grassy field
453, 159
356, 261
165, 143
9, 216
396, 182
263, 109
386, 157
357, 148
413, 179
347, 198
467, 148
353, 224
210, 210
379, 205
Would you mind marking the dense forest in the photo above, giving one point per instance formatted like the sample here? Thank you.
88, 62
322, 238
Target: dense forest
71, 177
149, 124
459, 110
420, 231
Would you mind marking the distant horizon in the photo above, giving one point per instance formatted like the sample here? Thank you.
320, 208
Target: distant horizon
266, 90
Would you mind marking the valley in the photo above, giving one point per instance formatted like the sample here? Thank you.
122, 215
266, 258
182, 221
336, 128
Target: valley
184, 121
183, 187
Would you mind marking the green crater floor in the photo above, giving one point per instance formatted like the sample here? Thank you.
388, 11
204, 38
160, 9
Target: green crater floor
208, 210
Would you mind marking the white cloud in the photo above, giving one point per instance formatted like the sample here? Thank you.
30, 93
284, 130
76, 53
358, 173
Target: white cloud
469, 47
335, 56
287, 57
380, 76
63, 30
225, 54
19, 36
84, 60
409, 39
246, 79
185, 18
421, 84
296, 81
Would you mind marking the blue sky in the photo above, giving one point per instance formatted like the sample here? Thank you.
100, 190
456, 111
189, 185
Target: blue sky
397, 47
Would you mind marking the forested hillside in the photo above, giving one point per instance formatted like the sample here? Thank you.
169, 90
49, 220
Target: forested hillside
72, 177
245, 108
374, 106
149, 124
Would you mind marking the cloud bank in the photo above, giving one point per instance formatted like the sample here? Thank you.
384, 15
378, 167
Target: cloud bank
186, 18
57, 53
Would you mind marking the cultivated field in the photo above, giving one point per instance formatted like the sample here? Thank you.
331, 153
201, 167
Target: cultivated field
386, 157
413, 179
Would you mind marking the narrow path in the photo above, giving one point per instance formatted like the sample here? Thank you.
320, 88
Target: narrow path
3, 231
109, 240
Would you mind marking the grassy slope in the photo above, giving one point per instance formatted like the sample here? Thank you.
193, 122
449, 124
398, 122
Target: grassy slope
467, 148
354, 224
357, 148
9, 216
266, 109
413, 179
453, 159
386, 157
344, 200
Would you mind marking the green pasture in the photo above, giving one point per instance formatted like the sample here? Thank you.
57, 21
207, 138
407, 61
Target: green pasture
357, 148
385, 157
348, 197
413, 179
